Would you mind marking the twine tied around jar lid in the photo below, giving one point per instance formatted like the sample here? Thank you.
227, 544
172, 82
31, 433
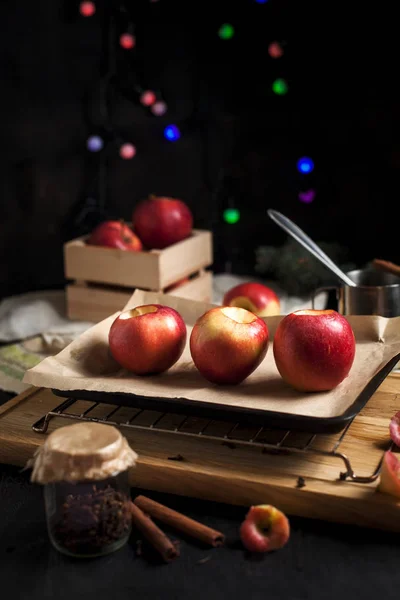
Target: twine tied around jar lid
79, 452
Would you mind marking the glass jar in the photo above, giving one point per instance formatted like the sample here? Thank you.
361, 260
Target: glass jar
86, 518
84, 469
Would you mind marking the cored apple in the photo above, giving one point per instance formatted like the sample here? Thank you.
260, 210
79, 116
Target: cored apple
228, 343
160, 221
265, 528
314, 349
256, 297
390, 475
148, 339
115, 234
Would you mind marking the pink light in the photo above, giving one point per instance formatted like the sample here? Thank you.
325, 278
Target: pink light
307, 196
127, 151
87, 8
148, 98
159, 108
127, 41
275, 50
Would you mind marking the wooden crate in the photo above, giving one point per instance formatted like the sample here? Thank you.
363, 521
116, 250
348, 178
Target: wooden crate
90, 302
103, 279
154, 270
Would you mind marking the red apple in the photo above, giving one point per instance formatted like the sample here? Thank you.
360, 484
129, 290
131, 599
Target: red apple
147, 339
265, 528
115, 234
228, 343
314, 349
390, 475
256, 297
160, 222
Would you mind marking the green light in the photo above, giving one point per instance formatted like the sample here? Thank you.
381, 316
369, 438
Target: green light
231, 216
226, 31
280, 87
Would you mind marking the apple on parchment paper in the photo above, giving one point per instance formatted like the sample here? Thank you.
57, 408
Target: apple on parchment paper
314, 350
148, 339
256, 297
115, 234
228, 343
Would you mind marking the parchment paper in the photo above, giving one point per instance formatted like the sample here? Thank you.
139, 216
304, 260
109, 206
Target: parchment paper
86, 365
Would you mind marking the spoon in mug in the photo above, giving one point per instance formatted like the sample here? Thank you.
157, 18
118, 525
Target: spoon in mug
303, 239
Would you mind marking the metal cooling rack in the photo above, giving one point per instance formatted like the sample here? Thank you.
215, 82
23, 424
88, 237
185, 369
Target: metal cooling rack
231, 434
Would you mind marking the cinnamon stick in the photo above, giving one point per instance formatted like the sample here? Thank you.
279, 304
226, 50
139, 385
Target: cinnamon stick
387, 266
153, 534
179, 521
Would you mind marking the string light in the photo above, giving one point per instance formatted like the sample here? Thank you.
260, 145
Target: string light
87, 8
226, 31
127, 151
172, 133
159, 108
231, 215
280, 87
275, 50
307, 196
305, 164
147, 98
95, 143
261, 1
127, 41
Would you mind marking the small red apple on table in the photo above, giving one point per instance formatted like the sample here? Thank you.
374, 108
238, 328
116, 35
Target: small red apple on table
115, 234
161, 221
227, 344
148, 339
264, 529
314, 350
253, 296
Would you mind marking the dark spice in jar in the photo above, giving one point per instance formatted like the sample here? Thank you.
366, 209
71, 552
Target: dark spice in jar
90, 522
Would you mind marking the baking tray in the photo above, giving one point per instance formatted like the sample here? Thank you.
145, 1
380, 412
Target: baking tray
264, 418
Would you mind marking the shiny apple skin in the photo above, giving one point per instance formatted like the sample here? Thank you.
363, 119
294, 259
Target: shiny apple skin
161, 221
115, 234
314, 350
226, 351
253, 296
146, 341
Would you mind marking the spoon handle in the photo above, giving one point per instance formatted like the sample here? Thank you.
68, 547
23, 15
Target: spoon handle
303, 239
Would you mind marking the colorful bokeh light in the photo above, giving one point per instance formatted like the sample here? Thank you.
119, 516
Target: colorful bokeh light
159, 108
95, 143
280, 87
226, 31
87, 8
275, 50
147, 98
307, 196
172, 133
127, 41
231, 216
305, 164
127, 151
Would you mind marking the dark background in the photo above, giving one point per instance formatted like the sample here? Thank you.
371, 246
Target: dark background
240, 142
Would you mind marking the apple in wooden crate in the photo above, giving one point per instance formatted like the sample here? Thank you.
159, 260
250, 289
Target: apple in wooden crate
161, 221
228, 343
148, 339
314, 350
256, 297
115, 234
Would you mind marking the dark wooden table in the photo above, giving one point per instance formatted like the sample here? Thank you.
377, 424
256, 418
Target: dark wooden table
320, 561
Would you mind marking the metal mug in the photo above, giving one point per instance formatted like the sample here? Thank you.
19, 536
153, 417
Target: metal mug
377, 293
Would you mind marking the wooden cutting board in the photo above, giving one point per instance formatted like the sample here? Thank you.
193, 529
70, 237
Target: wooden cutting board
215, 468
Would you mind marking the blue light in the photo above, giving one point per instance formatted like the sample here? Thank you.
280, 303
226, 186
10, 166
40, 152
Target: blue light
172, 133
305, 164
95, 143
261, 1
